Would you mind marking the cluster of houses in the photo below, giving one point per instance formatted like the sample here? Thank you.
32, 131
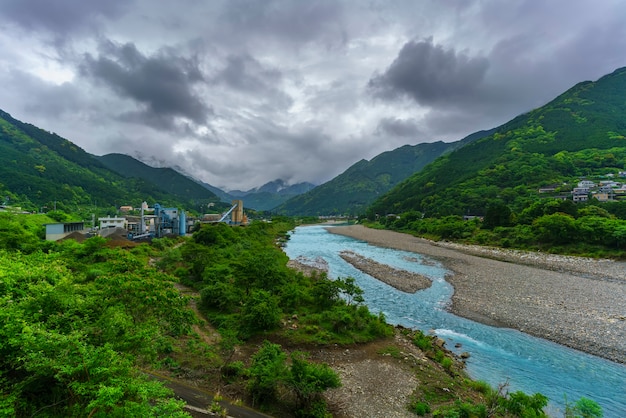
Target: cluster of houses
604, 190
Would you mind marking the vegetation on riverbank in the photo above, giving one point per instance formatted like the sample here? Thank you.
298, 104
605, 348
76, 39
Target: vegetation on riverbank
550, 225
80, 320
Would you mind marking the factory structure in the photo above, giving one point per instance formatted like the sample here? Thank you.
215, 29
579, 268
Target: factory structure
151, 222
159, 221
172, 221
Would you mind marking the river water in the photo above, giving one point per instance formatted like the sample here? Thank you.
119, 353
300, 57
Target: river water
498, 355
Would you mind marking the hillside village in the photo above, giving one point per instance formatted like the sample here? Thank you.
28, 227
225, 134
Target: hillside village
605, 190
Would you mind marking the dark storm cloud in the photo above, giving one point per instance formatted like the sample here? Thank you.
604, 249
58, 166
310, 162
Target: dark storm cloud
59, 16
248, 76
430, 74
163, 83
286, 21
398, 127
243, 72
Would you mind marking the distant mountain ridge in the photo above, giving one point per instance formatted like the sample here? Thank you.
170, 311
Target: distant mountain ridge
265, 197
580, 133
39, 169
351, 192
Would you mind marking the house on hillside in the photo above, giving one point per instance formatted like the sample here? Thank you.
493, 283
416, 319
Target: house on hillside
550, 188
580, 194
604, 196
586, 184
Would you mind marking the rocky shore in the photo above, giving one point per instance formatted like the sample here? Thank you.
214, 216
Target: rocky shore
574, 301
402, 280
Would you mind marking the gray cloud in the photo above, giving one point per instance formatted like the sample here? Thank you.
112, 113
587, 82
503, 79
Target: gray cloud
285, 21
162, 83
430, 74
241, 92
399, 127
60, 16
243, 72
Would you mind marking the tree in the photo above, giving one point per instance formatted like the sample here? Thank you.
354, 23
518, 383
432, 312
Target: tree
267, 371
352, 292
308, 380
557, 228
583, 408
260, 312
497, 214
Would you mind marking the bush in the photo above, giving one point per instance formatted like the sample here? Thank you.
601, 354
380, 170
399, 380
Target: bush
267, 371
424, 342
419, 408
260, 312
308, 380
583, 408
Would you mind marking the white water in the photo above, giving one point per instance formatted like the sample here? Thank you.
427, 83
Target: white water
498, 355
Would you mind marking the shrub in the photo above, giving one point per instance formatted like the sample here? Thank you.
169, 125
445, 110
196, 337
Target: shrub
424, 342
419, 408
583, 408
266, 372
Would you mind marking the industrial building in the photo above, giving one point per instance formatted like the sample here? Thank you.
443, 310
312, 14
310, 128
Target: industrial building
153, 222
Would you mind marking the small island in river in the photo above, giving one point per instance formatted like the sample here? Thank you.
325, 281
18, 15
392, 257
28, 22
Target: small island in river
402, 280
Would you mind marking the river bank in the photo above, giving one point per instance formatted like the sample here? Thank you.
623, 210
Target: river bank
574, 301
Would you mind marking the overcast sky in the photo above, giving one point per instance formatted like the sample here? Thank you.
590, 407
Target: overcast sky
241, 92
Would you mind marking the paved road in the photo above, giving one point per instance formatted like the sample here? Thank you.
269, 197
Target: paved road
199, 400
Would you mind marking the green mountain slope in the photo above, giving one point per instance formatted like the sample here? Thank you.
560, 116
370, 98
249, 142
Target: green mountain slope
356, 188
39, 168
580, 133
168, 180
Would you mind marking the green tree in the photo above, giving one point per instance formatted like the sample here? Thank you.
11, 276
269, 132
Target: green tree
260, 312
308, 380
497, 214
557, 228
583, 408
267, 371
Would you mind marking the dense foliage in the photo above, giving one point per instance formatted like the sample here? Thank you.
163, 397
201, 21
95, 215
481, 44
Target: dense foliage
582, 133
247, 289
351, 192
75, 323
552, 225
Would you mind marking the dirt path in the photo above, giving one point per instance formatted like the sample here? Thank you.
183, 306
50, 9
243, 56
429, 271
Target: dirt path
207, 333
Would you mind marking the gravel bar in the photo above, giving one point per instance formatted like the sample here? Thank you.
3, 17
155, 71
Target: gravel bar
574, 301
402, 280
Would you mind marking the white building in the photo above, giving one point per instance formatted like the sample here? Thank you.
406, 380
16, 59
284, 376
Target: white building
112, 222
586, 184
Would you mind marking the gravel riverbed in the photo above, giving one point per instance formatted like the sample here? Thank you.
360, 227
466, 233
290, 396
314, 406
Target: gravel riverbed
402, 280
575, 301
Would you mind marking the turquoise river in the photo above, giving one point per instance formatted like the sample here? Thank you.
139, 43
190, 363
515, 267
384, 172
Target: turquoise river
498, 355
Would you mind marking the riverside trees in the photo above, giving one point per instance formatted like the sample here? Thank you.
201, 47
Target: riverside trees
550, 224
75, 322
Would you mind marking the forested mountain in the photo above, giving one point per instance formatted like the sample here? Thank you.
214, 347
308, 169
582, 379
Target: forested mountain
39, 168
580, 133
166, 179
352, 191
